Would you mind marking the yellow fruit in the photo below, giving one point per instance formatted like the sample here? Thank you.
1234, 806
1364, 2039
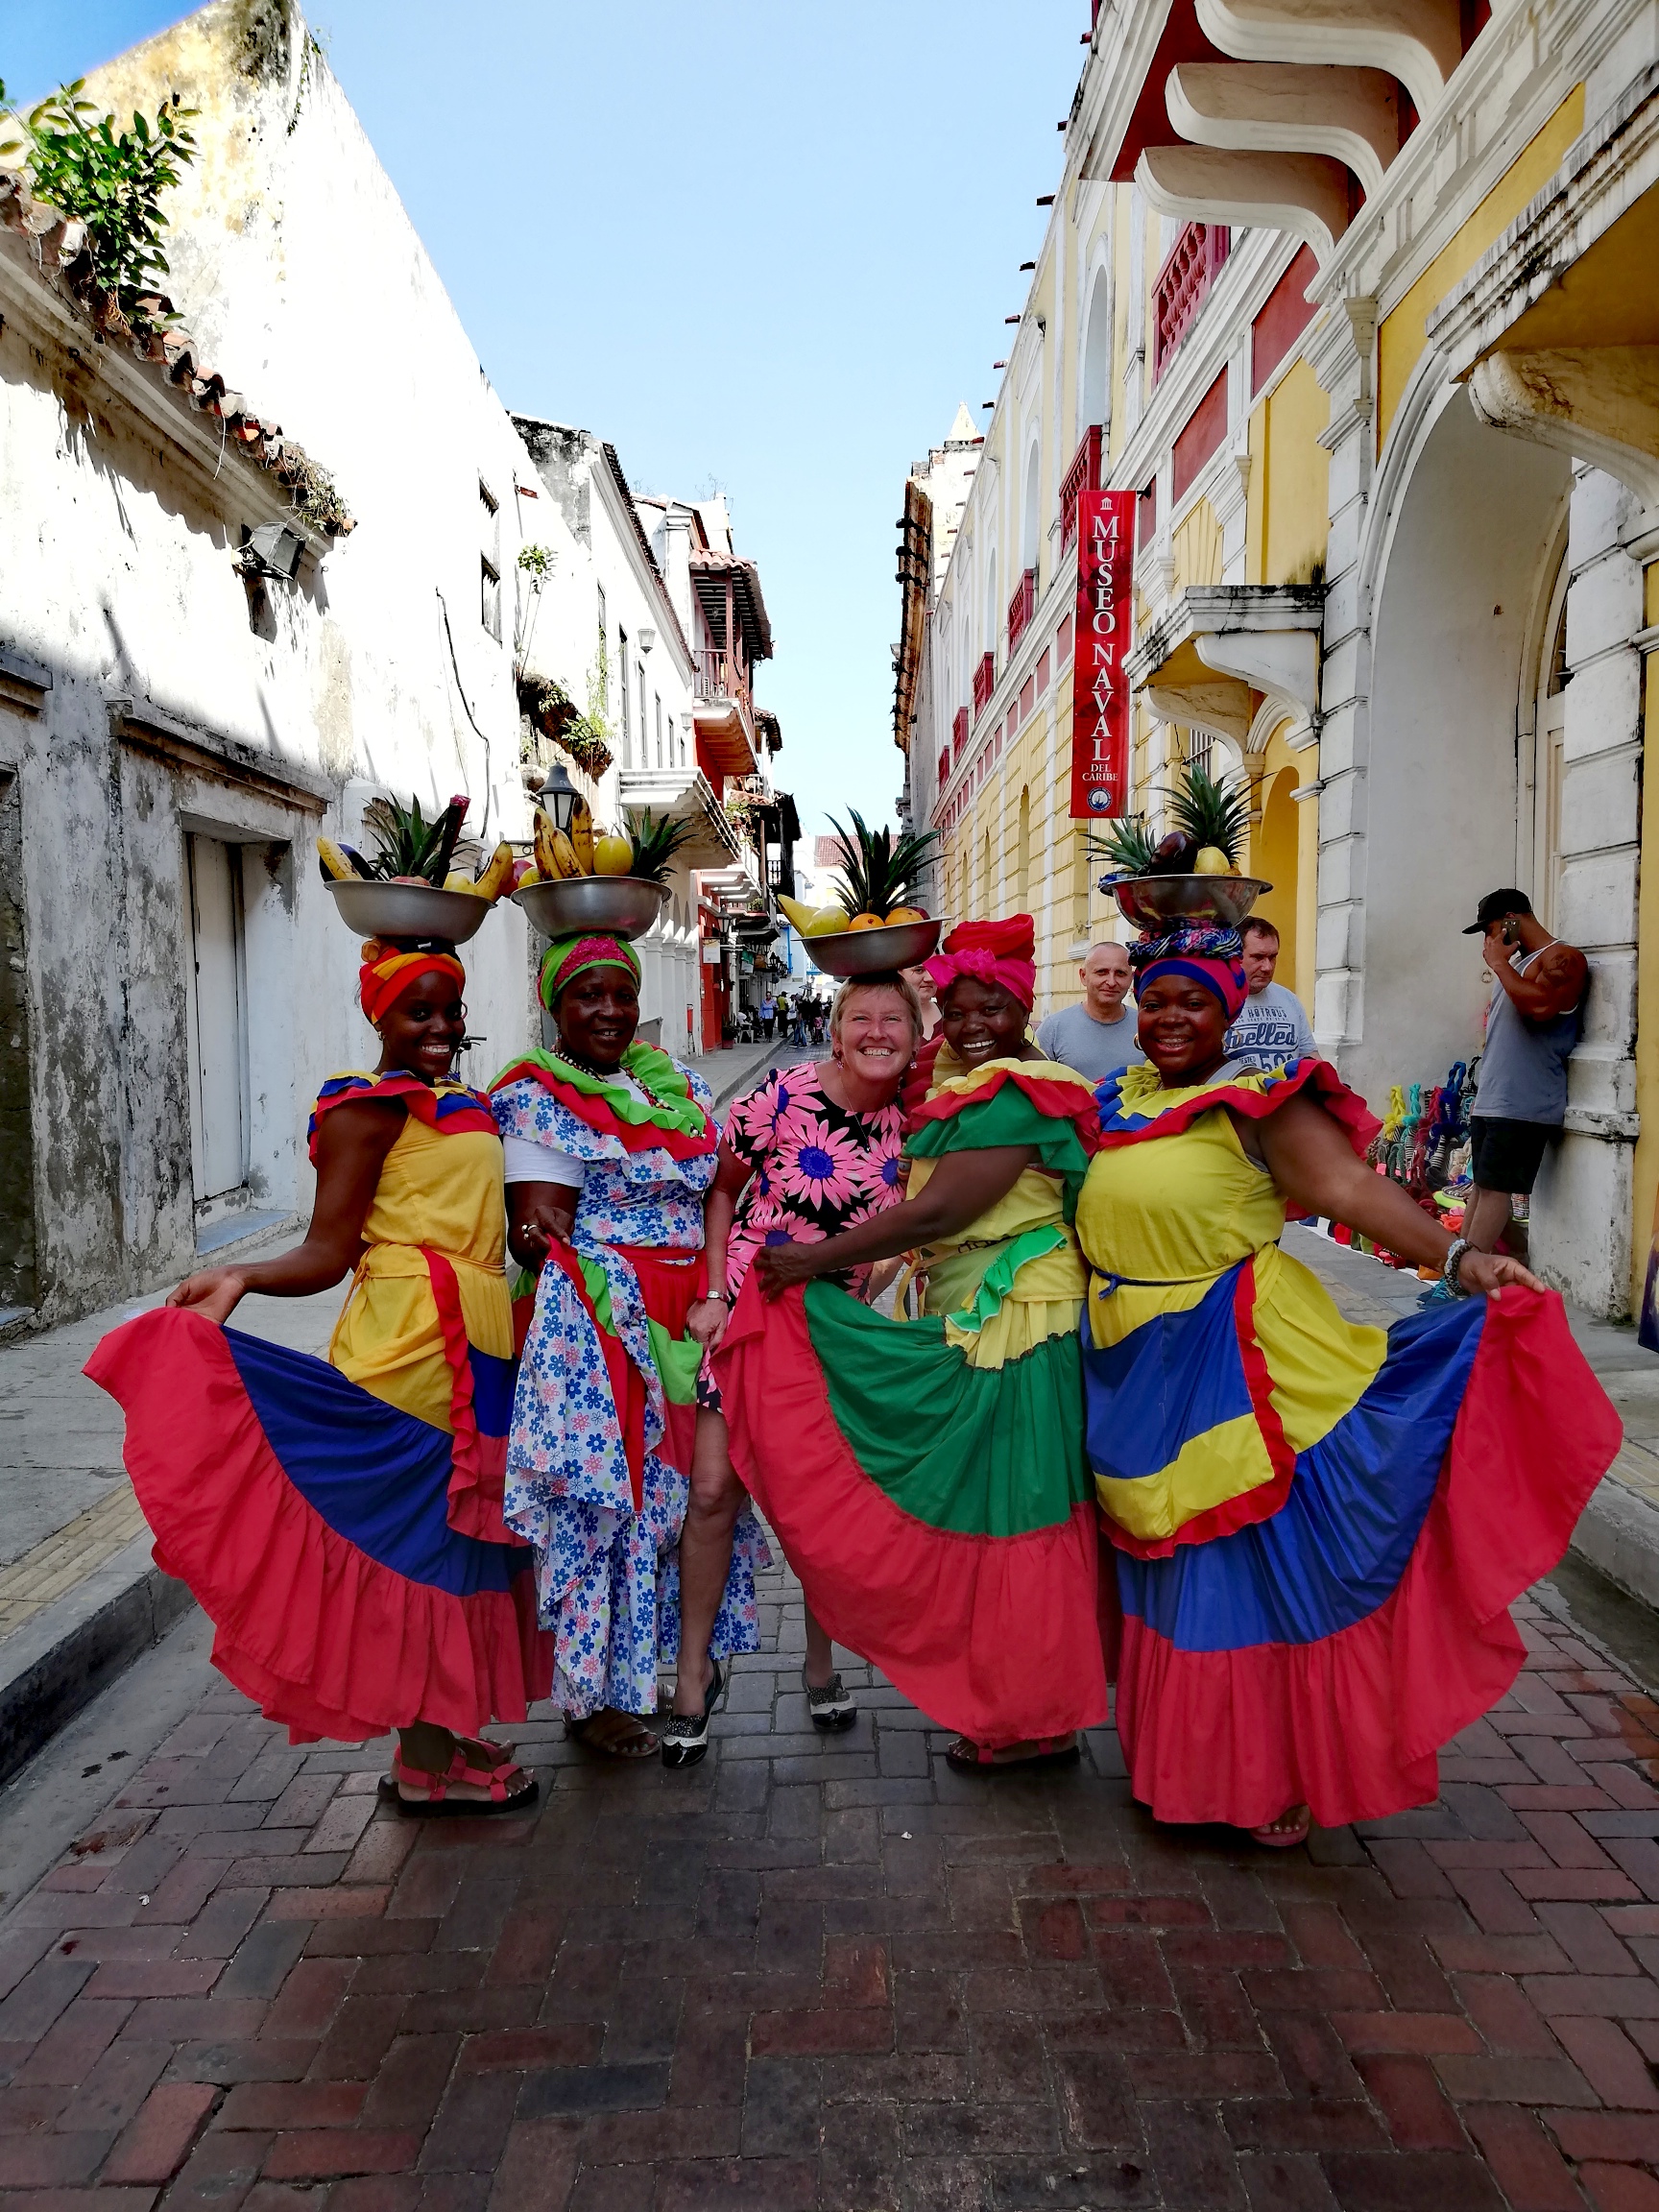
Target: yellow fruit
581, 837
336, 868
826, 921
458, 879
565, 860
497, 874
867, 922
612, 855
906, 914
531, 874
1212, 861
547, 866
802, 916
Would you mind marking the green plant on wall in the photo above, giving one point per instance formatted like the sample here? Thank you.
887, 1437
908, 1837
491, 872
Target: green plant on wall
110, 180
598, 715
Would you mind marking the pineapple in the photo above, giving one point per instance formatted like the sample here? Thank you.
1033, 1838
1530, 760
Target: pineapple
878, 869
656, 838
411, 849
1213, 814
1128, 844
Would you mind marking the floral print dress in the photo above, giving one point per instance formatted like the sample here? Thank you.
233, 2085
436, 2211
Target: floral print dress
607, 1566
819, 1168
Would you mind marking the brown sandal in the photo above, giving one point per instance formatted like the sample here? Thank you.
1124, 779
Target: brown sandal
638, 1742
970, 1758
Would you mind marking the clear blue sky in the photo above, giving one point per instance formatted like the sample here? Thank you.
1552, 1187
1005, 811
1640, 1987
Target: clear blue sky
756, 242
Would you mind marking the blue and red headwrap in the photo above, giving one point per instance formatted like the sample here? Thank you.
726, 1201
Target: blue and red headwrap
1198, 951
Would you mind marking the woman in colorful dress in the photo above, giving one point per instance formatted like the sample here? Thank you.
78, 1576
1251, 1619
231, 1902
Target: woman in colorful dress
340, 1523
926, 1477
813, 1148
610, 1148
1318, 1528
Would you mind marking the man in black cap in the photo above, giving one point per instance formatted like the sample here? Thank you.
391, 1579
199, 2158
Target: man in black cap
1531, 1026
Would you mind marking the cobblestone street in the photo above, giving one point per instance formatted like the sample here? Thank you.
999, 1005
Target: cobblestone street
834, 1974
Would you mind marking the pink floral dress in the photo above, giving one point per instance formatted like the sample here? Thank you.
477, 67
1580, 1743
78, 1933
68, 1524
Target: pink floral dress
819, 1168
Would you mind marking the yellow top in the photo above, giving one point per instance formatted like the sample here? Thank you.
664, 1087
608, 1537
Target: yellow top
1171, 1215
1044, 1295
441, 1193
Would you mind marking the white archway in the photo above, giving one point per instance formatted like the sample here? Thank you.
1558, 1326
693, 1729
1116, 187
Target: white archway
1095, 382
1457, 555
1030, 534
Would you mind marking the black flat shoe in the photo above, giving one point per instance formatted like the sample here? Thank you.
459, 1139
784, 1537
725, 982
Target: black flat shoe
684, 1736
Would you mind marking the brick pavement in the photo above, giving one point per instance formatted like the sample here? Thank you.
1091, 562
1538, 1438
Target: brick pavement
837, 1974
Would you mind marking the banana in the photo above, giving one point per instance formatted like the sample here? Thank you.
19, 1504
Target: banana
545, 864
582, 836
565, 860
497, 874
333, 861
797, 912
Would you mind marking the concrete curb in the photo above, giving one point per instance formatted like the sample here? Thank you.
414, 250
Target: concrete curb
57, 1662
1618, 1534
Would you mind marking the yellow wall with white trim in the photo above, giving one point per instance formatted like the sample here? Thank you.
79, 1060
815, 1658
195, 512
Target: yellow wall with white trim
1645, 1173
1402, 336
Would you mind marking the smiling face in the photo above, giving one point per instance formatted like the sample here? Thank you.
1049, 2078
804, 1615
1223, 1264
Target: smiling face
1183, 1028
597, 1012
982, 1022
424, 1026
875, 1034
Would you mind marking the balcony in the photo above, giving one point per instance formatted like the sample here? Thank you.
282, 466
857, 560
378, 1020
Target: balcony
1020, 609
1183, 284
687, 795
1083, 475
724, 713
985, 683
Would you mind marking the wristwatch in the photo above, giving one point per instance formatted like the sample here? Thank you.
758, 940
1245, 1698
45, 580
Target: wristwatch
721, 1297
1450, 1270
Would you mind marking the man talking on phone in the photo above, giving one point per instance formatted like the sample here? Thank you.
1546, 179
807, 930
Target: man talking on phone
1533, 1024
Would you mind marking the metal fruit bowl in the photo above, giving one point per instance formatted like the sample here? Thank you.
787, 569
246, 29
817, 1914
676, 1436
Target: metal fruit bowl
875, 951
409, 910
615, 905
1148, 900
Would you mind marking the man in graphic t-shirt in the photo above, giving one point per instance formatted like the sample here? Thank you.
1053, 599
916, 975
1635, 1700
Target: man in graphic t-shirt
1272, 1027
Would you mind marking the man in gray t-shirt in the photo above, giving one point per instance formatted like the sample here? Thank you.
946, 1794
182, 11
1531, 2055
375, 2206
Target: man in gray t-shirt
1272, 1027
1097, 1037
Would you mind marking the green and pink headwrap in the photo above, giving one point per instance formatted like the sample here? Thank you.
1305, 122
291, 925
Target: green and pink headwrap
568, 957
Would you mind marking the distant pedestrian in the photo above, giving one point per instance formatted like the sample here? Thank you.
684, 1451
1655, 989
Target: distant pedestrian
1272, 1027
768, 1017
1533, 1022
927, 998
1097, 1036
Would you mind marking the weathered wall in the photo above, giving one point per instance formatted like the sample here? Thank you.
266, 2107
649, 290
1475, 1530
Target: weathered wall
296, 267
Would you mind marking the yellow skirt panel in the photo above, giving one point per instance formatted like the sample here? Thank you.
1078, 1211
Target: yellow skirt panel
389, 1337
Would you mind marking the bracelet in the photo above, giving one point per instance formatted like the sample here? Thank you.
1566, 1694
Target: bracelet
1451, 1271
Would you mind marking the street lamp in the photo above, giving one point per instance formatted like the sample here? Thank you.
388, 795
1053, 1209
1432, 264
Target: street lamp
646, 636
559, 795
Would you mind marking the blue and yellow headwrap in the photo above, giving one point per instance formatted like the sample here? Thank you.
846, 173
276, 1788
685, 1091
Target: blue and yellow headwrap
567, 957
1200, 952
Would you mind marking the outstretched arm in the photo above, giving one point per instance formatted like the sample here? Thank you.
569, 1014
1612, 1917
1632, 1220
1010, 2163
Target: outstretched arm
1316, 1166
352, 1143
708, 1318
964, 1186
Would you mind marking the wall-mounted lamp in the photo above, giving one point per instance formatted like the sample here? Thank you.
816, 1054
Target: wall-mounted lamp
559, 795
271, 550
648, 638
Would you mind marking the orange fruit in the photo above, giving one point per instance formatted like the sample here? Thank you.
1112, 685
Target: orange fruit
902, 914
866, 922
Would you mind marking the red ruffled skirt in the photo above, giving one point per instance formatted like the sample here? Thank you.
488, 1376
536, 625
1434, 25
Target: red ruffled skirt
313, 1523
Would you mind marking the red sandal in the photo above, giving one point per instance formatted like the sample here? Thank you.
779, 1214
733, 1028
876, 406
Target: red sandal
438, 1802
970, 1758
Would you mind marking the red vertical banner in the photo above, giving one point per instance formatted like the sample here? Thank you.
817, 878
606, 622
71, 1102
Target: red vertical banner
1105, 633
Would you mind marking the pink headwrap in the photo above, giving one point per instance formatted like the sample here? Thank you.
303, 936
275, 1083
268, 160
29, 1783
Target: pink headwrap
999, 953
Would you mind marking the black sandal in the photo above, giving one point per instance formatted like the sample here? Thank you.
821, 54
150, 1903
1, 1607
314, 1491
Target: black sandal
684, 1736
833, 1707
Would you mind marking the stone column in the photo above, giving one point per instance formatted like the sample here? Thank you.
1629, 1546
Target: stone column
1341, 353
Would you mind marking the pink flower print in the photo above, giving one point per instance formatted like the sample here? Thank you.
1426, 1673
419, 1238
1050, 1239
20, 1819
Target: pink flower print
818, 1165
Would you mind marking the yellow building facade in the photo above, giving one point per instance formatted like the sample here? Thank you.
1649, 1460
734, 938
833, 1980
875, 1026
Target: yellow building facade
1376, 366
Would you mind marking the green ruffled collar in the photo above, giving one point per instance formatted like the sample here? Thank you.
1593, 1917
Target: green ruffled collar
667, 1087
